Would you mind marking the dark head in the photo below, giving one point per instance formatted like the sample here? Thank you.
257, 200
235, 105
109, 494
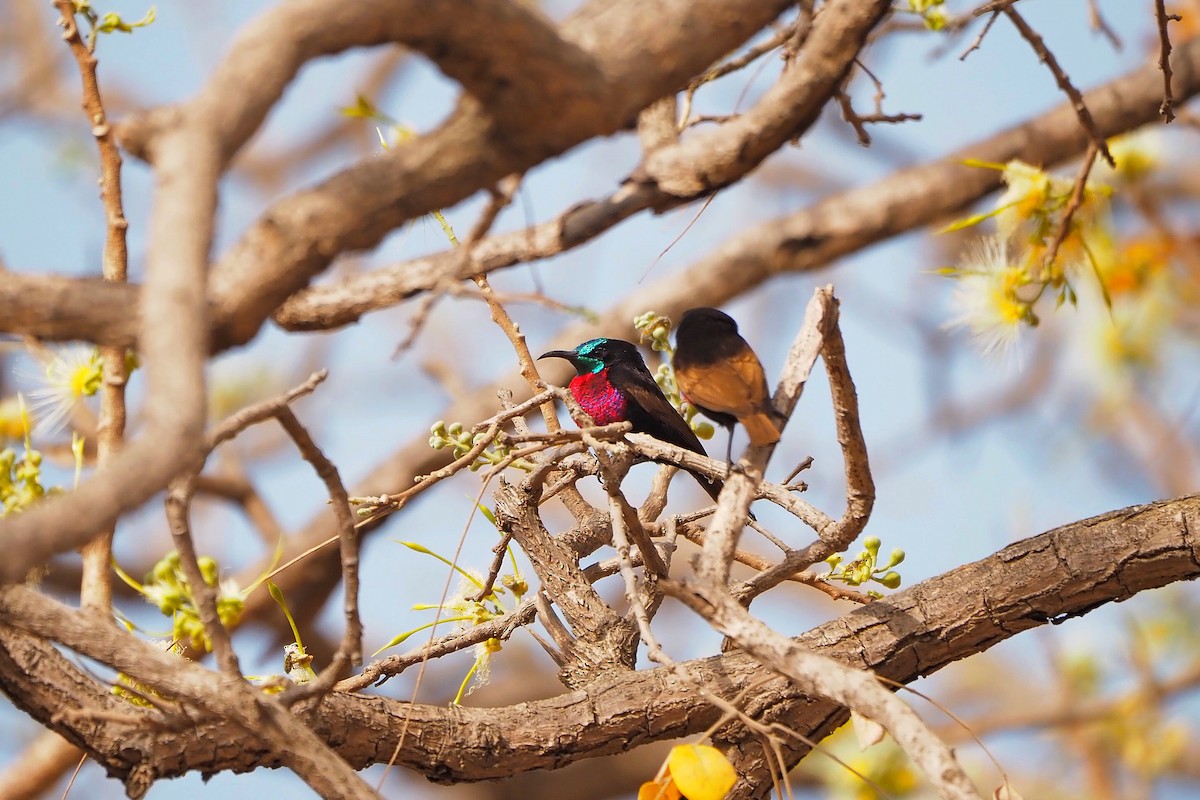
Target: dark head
704, 321
596, 354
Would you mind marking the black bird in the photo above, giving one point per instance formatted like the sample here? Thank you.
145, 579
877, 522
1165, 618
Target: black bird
612, 384
721, 376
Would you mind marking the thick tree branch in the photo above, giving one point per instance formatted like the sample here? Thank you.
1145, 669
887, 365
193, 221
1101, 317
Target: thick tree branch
1063, 573
642, 57
509, 57
822, 676
254, 712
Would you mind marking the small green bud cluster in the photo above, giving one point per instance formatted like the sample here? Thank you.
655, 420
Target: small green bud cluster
167, 588
454, 435
21, 478
656, 330
866, 567
930, 11
109, 22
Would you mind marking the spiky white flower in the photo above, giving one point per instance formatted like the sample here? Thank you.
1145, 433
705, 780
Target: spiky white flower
73, 373
987, 298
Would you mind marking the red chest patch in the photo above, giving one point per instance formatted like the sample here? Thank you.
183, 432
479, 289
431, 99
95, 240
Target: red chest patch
599, 398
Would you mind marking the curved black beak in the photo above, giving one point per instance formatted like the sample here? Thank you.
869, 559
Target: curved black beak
568, 355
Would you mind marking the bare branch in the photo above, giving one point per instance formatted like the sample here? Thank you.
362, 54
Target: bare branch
248, 707
350, 650
1167, 109
298, 237
508, 57
1047, 578
809, 239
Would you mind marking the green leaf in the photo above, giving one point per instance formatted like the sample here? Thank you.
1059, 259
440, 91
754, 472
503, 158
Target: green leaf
112, 22
277, 596
970, 221
420, 548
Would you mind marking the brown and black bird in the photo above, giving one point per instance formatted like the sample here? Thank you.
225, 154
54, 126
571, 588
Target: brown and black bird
721, 376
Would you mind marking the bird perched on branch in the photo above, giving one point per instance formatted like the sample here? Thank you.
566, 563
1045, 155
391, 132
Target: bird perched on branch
612, 384
721, 376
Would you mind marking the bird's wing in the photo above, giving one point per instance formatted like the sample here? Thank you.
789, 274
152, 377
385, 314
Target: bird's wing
736, 385
658, 417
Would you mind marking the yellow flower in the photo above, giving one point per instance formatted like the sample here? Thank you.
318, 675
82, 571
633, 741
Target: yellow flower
14, 419
1033, 203
1117, 346
1028, 194
1135, 266
1137, 155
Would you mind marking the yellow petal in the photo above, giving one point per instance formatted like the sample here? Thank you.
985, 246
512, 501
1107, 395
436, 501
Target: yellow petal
701, 772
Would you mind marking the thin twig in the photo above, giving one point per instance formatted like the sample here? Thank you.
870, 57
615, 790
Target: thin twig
1073, 205
1167, 109
96, 584
1064, 83
259, 412
350, 650
389, 504
751, 55
501, 197
1098, 23
204, 595
852, 118
695, 534
500, 550
623, 516
975, 45
819, 334
528, 369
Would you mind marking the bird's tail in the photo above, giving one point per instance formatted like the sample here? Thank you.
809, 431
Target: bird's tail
762, 429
